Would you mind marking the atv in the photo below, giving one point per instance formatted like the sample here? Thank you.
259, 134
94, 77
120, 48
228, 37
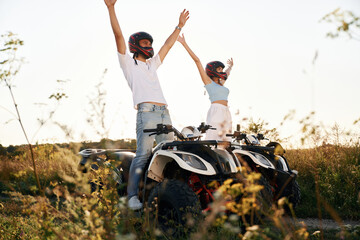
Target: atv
269, 160
180, 175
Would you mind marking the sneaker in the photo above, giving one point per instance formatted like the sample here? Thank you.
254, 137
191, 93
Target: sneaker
134, 203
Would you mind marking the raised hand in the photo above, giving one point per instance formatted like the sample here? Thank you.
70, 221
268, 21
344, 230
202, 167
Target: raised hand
184, 16
230, 62
181, 39
110, 3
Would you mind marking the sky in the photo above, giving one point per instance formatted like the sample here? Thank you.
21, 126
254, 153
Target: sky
272, 43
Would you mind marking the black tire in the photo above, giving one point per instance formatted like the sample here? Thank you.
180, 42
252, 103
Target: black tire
264, 199
175, 208
295, 196
121, 187
266, 195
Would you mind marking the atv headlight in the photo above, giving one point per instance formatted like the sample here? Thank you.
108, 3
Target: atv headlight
192, 161
262, 160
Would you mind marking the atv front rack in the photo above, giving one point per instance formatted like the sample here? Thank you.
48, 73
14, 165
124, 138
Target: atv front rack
215, 143
182, 143
255, 148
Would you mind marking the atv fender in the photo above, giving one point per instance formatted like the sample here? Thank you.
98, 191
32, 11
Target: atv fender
264, 162
124, 159
163, 157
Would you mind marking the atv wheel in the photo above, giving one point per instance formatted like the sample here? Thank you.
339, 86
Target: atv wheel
175, 206
295, 195
266, 195
264, 199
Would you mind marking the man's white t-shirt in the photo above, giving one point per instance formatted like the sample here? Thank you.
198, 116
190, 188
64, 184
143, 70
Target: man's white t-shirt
142, 79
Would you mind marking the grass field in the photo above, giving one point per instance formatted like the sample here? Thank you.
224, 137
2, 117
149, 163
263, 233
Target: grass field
329, 177
44, 195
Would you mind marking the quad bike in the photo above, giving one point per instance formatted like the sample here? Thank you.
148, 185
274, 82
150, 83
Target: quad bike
114, 159
269, 160
176, 181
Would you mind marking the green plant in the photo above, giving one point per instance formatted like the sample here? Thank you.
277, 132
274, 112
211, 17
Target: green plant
11, 65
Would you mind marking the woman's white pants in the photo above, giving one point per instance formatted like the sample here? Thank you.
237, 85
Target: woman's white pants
219, 117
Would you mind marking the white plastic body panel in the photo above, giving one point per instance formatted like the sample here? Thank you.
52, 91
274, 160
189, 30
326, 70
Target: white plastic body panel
162, 157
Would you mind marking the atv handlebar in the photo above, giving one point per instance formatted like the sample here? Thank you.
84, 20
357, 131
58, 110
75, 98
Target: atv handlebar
160, 129
163, 129
237, 135
203, 128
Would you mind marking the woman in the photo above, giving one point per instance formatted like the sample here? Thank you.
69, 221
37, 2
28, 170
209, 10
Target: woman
214, 78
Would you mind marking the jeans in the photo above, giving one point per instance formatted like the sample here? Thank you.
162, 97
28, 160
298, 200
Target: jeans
148, 116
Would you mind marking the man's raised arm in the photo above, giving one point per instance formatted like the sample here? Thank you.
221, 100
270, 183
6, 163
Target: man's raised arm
119, 38
184, 16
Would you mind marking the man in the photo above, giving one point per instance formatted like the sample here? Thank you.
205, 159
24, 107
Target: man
140, 73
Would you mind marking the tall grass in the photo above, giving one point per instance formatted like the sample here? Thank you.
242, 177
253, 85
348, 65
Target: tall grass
329, 178
335, 170
69, 210
53, 163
